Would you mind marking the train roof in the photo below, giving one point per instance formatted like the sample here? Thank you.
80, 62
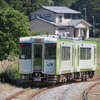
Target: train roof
52, 39
33, 38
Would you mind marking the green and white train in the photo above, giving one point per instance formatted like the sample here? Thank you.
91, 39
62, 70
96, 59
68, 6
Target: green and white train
49, 60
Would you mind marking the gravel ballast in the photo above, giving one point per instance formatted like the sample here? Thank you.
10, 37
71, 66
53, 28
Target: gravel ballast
72, 91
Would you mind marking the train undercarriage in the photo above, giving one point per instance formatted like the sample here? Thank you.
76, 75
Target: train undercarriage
38, 78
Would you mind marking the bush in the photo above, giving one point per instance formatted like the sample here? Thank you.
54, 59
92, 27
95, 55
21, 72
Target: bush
10, 75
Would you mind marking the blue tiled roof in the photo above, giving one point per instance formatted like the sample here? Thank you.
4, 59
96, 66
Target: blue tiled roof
60, 9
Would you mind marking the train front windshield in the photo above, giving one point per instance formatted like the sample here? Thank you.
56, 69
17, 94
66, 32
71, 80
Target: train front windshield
50, 51
25, 51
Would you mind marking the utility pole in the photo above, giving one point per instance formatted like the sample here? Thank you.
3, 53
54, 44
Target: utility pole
93, 26
85, 12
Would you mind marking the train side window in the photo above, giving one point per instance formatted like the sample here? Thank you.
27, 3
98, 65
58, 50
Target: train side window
65, 53
85, 53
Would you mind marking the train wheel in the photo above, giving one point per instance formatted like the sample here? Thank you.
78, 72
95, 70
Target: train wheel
91, 74
65, 80
83, 78
68, 78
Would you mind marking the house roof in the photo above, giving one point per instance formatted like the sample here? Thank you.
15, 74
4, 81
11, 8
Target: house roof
53, 23
70, 23
77, 21
60, 9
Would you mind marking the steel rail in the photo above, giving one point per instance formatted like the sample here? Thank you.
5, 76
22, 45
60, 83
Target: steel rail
37, 92
50, 87
17, 93
87, 90
32, 95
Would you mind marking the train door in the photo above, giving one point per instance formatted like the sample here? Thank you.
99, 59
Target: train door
37, 57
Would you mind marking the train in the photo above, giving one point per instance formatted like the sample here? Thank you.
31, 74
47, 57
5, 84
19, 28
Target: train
48, 60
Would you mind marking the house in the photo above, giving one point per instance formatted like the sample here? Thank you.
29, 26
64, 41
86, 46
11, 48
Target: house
59, 20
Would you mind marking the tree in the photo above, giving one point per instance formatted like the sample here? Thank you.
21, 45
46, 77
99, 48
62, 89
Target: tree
13, 25
62, 2
92, 9
27, 6
3, 4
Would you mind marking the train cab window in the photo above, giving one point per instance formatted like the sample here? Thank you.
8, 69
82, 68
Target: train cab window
50, 51
85, 53
25, 51
65, 53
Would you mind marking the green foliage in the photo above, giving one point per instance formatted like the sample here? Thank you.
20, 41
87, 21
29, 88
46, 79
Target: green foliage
92, 9
39, 32
10, 75
13, 26
62, 2
84, 32
3, 4
27, 6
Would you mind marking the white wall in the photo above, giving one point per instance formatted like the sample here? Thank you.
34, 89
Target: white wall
63, 19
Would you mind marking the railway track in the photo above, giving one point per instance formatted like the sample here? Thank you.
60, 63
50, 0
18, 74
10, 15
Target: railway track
17, 93
43, 89
87, 90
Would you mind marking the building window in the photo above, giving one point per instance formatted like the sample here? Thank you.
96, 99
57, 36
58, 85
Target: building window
62, 30
60, 18
47, 15
74, 16
85, 53
65, 53
37, 15
67, 16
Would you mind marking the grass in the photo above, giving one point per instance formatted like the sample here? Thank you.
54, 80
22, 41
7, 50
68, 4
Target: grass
97, 40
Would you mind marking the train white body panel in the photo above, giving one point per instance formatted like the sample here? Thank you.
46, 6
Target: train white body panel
49, 66
88, 63
26, 66
65, 65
